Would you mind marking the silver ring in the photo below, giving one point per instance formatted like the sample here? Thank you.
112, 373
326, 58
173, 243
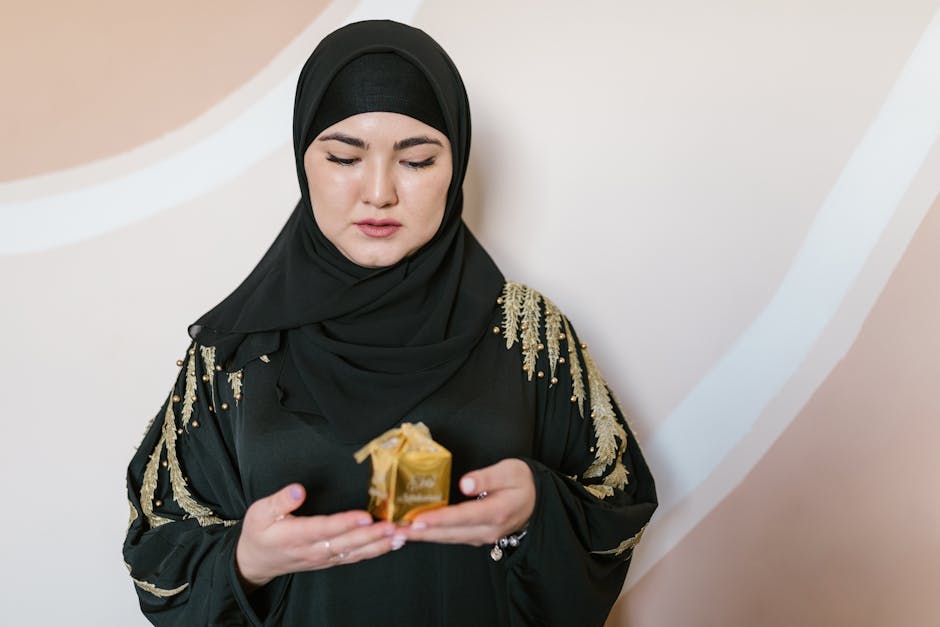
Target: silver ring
326, 545
483, 494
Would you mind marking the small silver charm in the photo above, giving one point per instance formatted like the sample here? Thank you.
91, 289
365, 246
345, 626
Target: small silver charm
496, 553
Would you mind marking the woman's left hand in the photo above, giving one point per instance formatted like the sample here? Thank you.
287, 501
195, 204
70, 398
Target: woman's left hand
507, 507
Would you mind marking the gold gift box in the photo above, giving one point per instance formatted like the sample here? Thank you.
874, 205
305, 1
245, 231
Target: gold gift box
410, 473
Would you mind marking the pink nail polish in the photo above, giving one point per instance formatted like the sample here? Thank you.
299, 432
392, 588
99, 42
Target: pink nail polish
467, 484
419, 525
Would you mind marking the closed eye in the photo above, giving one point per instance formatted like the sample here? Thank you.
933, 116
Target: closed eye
420, 164
339, 160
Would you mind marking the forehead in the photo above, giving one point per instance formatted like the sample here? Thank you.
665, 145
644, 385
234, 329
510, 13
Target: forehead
381, 126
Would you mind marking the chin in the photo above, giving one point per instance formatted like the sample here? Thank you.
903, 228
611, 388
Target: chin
377, 260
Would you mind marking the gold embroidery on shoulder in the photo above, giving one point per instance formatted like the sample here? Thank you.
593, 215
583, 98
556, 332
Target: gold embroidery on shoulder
552, 332
208, 363
626, 545
607, 429
158, 592
189, 395
531, 314
513, 295
574, 364
168, 439
235, 380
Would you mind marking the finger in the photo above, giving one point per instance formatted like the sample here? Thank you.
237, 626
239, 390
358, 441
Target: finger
499, 476
486, 511
285, 501
327, 526
368, 551
474, 534
356, 538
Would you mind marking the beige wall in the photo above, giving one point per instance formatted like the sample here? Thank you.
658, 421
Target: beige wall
736, 203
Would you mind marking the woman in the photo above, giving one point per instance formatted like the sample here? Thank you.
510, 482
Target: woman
375, 305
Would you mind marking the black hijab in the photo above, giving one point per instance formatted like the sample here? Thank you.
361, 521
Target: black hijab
363, 346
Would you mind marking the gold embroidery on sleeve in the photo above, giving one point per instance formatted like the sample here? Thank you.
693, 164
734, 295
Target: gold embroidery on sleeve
600, 491
133, 515
626, 545
168, 438
148, 485
607, 429
181, 494
159, 592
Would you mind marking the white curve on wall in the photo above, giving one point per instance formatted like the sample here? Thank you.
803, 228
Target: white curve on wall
725, 404
63, 218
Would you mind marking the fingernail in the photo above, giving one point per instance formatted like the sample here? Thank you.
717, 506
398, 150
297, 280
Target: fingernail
419, 525
296, 492
398, 542
362, 522
389, 531
467, 484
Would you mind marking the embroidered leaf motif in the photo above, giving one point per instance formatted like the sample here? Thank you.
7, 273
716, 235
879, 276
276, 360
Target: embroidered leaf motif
513, 294
531, 315
552, 331
574, 364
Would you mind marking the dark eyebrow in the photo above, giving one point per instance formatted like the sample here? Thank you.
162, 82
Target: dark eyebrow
415, 141
346, 139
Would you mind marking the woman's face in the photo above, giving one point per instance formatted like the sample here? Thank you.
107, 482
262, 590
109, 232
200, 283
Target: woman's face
378, 185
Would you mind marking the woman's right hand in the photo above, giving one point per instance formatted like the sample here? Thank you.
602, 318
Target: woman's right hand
274, 542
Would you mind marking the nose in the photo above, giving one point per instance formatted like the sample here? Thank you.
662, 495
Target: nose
378, 187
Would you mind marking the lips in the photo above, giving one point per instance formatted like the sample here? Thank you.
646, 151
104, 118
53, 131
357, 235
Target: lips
378, 228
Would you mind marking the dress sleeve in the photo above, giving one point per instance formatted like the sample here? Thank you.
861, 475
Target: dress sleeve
186, 503
594, 491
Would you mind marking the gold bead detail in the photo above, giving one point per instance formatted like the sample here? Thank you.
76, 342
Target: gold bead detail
554, 380
574, 399
561, 360
196, 424
496, 330
158, 503
561, 336
583, 346
224, 406
180, 431
218, 367
192, 351
524, 326
193, 397
499, 300
164, 463
238, 396
176, 398
591, 449
179, 362
238, 375
211, 408
541, 346
541, 375
205, 377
